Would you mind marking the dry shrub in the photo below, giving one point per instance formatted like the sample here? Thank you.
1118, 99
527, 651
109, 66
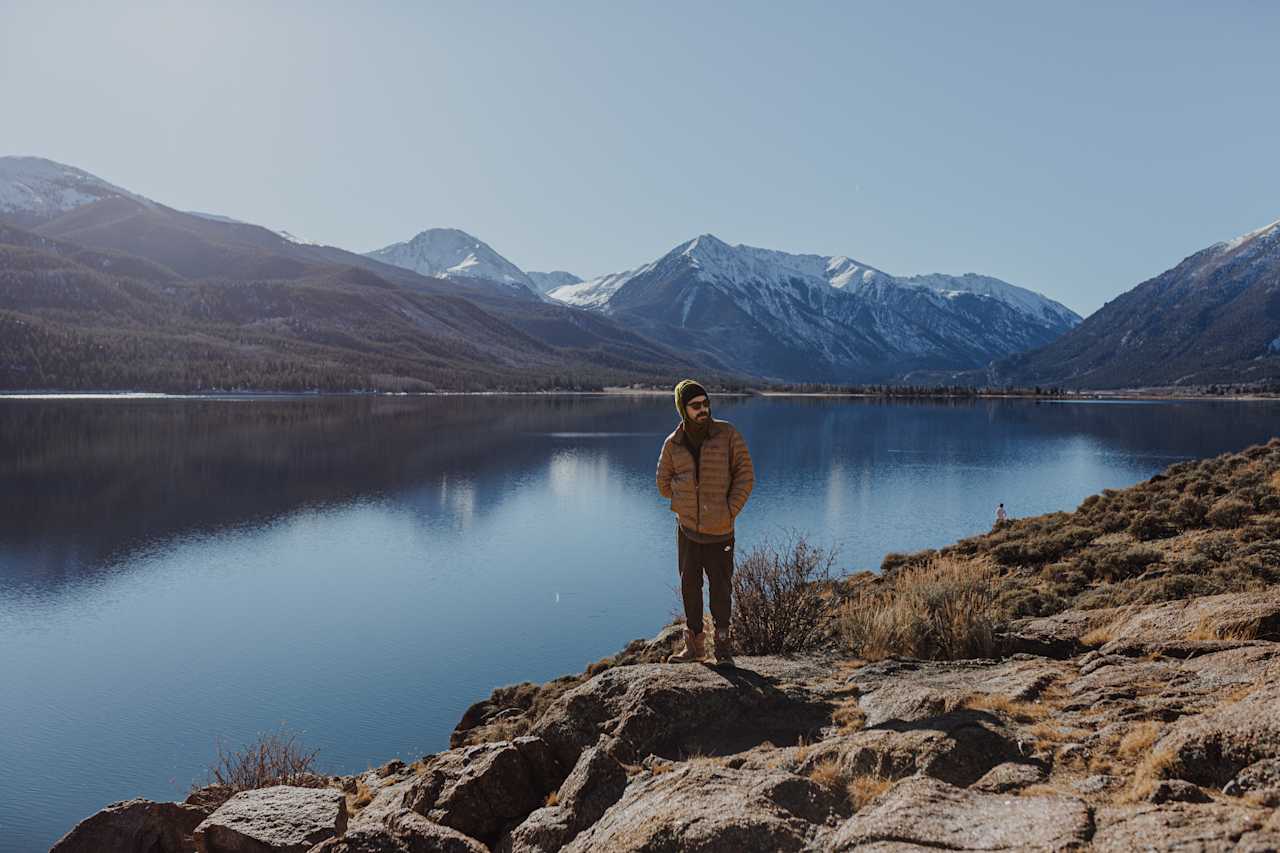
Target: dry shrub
944, 610
1228, 512
779, 606
1139, 740
863, 789
273, 759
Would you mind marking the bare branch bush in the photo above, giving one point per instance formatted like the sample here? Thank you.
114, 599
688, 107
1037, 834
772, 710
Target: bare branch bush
779, 602
275, 758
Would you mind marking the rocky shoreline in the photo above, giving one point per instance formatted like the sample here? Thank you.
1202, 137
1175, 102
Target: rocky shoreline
1158, 738
1120, 708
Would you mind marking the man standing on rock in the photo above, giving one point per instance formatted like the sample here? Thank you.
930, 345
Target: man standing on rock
705, 470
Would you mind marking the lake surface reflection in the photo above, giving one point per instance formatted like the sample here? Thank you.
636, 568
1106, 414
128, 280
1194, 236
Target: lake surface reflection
174, 572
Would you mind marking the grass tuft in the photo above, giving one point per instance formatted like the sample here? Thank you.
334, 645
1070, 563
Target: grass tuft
942, 610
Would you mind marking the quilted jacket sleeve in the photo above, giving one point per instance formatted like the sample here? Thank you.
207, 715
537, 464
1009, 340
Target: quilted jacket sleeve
742, 475
666, 470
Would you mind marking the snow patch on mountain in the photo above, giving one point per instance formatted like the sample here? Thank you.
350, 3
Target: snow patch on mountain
596, 292
40, 187
548, 281
1235, 243
1019, 298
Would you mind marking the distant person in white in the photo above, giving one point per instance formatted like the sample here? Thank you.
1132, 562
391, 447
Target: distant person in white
1001, 515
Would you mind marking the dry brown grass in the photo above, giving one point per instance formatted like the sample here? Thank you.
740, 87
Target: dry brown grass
1139, 740
1099, 636
802, 750
1040, 790
861, 790
1149, 773
362, 796
1048, 733
1022, 712
1211, 629
941, 610
849, 716
827, 774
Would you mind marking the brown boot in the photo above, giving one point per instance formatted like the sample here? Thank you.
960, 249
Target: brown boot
724, 648
694, 648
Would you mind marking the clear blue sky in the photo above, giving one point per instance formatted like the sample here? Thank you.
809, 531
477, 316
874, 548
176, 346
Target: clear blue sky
1076, 149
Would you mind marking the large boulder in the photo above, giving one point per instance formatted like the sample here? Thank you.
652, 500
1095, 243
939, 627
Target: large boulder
1260, 779
1009, 776
926, 813
702, 807
516, 708
482, 790
134, 826
280, 819
596, 783
959, 748
674, 711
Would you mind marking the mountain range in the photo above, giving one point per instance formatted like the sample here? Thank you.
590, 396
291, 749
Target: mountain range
816, 317
101, 287
777, 315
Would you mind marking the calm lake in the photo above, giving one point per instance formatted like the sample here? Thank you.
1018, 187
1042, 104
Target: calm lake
175, 572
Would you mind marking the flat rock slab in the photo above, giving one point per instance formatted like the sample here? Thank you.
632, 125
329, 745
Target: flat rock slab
711, 809
1170, 622
1202, 827
923, 812
134, 826
280, 819
1211, 748
910, 690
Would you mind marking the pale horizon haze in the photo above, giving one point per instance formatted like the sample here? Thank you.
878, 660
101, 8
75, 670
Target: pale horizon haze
1074, 149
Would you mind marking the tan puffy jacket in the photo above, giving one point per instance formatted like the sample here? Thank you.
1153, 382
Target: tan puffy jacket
709, 500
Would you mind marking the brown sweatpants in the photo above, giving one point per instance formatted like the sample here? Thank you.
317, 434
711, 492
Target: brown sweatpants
716, 559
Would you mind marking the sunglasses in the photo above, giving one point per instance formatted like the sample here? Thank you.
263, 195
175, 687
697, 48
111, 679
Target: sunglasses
703, 405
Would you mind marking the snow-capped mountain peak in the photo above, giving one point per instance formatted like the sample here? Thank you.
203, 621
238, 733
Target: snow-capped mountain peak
449, 252
805, 315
